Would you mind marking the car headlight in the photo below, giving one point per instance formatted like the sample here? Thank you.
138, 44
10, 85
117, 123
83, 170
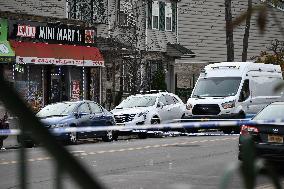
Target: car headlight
59, 125
143, 114
189, 106
227, 105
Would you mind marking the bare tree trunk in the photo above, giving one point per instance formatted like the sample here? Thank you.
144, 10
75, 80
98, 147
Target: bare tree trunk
229, 31
246, 35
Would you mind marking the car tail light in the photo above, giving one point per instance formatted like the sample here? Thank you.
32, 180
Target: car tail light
247, 130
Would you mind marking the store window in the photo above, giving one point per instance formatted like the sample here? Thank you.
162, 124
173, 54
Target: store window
35, 94
28, 82
21, 79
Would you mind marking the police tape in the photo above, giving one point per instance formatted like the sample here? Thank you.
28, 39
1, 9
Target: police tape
178, 124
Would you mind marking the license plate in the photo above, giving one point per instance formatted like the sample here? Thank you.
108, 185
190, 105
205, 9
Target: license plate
275, 138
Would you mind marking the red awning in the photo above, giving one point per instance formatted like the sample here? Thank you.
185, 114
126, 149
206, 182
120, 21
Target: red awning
42, 53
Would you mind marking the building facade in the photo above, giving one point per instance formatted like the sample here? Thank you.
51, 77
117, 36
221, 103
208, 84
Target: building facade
53, 61
148, 30
201, 27
136, 38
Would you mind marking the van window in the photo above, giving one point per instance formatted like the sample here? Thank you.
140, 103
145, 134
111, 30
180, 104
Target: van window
245, 92
265, 86
217, 87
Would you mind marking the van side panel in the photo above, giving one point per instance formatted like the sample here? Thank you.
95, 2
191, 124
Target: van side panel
263, 92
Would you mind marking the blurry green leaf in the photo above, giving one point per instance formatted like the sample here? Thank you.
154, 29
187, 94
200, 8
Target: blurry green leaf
242, 17
228, 174
247, 168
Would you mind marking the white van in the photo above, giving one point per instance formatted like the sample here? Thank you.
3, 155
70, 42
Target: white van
229, 90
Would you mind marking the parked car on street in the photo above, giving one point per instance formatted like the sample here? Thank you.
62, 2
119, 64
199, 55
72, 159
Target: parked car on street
151, 107
76, 114
267, 137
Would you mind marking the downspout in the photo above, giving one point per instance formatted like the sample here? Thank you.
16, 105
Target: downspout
108, 19
146, 25
177, 16
143, 71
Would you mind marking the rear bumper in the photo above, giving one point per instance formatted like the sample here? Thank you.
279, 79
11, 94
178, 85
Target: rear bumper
267, 151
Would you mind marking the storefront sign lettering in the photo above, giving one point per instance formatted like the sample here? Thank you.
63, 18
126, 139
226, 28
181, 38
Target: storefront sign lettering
26, 31
60, 34
51, 32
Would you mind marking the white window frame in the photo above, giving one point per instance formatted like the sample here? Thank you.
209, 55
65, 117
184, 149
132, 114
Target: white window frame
123, 18
155, 13
168, 14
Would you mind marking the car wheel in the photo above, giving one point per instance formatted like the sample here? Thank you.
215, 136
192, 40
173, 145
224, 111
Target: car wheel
73, 139
109, 136
29, 144
182, 129
115, 135
142, 135
160, 133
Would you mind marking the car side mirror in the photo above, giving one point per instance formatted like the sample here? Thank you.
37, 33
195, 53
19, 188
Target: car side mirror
76, 115
160, 105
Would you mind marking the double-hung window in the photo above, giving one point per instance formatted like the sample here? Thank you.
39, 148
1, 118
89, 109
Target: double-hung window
155, 15
169, 16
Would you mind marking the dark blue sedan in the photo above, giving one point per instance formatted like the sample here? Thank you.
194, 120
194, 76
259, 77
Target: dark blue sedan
268, 135
79, 114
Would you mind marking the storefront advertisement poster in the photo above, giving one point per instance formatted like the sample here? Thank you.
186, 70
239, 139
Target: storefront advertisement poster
75, 93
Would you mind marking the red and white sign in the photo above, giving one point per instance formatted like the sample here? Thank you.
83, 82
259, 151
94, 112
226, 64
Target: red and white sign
26, 31
89, 36
42, 53
75, 90
69, 62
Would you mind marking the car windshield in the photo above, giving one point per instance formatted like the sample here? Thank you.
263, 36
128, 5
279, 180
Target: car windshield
58, 109
271, 112
137, 101
217, 87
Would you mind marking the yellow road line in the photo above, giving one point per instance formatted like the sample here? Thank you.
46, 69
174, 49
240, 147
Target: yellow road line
82, 153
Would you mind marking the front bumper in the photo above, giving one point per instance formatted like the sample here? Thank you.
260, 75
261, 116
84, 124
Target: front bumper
210, 117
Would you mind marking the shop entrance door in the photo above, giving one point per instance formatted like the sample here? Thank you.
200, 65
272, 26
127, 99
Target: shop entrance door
58, 84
